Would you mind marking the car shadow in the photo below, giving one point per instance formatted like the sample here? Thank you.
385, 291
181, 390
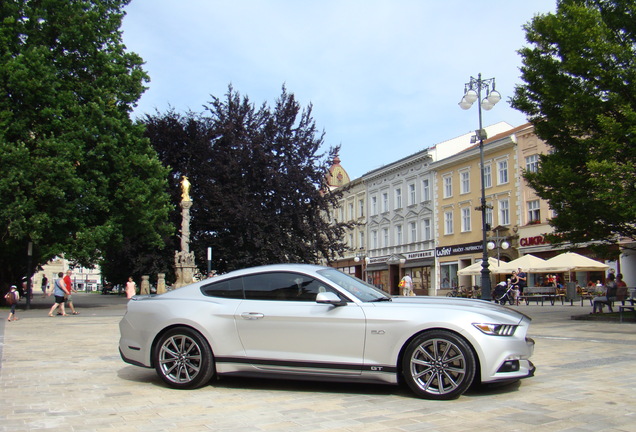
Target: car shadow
148, 376
298, 385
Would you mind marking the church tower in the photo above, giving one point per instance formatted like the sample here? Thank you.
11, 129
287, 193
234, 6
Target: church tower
337, 176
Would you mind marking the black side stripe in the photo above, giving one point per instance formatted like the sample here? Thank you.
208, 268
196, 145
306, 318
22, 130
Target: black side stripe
303, 364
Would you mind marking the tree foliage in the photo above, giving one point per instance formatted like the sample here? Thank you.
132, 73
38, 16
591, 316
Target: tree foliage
78, 177
257, 181
580, 93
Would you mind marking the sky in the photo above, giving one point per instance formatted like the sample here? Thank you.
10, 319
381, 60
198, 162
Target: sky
383, 77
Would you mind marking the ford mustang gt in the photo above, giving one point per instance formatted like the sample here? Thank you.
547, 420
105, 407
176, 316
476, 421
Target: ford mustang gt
318, 323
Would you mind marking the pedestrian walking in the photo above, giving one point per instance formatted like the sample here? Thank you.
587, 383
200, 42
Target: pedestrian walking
69, 287
59, 291
45, 285
131, 288
407, 285
12, 298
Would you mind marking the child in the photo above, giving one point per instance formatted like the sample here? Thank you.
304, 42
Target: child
12, 298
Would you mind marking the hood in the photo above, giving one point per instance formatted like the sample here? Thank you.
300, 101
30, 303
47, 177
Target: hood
474, 305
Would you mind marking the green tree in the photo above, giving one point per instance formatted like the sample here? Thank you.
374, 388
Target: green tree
580, 93
78, 176
257, 181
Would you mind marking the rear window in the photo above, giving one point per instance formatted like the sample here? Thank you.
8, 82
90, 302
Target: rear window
232, 288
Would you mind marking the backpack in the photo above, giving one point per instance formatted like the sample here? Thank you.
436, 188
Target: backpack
10, 298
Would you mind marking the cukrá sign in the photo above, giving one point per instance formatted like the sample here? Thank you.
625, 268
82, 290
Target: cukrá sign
533, 241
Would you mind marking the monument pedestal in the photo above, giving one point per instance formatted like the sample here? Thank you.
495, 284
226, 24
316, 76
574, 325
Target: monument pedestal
184, 268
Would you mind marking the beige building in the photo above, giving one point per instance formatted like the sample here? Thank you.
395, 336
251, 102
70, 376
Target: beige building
458, 228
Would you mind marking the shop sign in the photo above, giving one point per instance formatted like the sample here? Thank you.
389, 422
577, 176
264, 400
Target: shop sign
533, 241
459, 249
380, 260
419, 255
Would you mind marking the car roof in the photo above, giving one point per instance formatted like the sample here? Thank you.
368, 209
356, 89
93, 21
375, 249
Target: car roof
310, 268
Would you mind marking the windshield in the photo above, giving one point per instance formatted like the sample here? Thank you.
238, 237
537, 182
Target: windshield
360, 289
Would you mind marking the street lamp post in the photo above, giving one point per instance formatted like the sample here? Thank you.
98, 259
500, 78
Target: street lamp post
499, 243
472, 92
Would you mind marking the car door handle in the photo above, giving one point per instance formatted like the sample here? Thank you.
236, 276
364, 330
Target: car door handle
252, 315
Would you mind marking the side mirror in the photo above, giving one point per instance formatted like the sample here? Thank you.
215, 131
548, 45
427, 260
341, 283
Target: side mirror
329, 298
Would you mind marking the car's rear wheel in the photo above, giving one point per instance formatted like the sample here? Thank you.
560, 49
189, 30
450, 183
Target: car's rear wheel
438, 365
183, 358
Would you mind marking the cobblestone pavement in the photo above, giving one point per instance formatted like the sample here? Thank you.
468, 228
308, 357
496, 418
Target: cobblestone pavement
65, 374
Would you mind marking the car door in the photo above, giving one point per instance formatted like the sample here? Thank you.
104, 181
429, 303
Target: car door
283, 329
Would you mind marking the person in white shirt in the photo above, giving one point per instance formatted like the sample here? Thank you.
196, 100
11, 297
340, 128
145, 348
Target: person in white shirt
407, 285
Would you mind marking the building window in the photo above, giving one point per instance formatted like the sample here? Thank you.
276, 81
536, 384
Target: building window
351, 245
398, 198
426, 229
412, 194
341, 212
413, 229
374, 206
361, 202
426, 190
398, 235
385, 234
362, 240
351, 214
374, 239
534, 214
448, 186
385, 202
466, 219
464, 182
502, 169
504, 212
487, 176
532, 163
489, 216
448, 222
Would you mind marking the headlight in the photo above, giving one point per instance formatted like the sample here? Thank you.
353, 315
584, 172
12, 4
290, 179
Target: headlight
496, 329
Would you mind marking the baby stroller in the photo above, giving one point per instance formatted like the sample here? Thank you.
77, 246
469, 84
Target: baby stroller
504, 293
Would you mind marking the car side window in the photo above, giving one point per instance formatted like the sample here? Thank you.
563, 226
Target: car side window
283, 286
232, 288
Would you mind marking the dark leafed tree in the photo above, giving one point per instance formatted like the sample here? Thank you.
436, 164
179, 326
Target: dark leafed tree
579, 91
78, 176
257, 177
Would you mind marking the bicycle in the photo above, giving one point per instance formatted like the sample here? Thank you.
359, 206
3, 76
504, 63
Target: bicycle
461, 291
454, 292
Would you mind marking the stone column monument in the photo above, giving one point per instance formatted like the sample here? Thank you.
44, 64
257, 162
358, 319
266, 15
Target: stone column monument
185, 268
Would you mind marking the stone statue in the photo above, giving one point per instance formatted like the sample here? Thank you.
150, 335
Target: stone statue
185, 189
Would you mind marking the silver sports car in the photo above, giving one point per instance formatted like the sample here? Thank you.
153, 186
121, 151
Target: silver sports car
317, 323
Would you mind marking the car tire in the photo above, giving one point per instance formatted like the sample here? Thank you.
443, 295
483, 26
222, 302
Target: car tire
183, 359
439, 365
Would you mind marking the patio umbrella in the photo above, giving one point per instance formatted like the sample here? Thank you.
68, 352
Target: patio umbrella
527, 263
571, 262
475, 269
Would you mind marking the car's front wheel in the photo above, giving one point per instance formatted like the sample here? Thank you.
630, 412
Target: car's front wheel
183, 358
438, 365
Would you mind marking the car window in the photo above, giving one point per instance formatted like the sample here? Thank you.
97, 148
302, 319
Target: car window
355, 286
283, 286
232, 288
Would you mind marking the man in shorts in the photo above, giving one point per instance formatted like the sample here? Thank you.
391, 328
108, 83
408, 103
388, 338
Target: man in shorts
59, 291
69, 287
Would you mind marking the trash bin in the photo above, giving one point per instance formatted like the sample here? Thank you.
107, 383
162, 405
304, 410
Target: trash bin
570, 292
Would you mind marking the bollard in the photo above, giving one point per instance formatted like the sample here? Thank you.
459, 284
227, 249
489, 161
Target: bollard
145, 285
161, 283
